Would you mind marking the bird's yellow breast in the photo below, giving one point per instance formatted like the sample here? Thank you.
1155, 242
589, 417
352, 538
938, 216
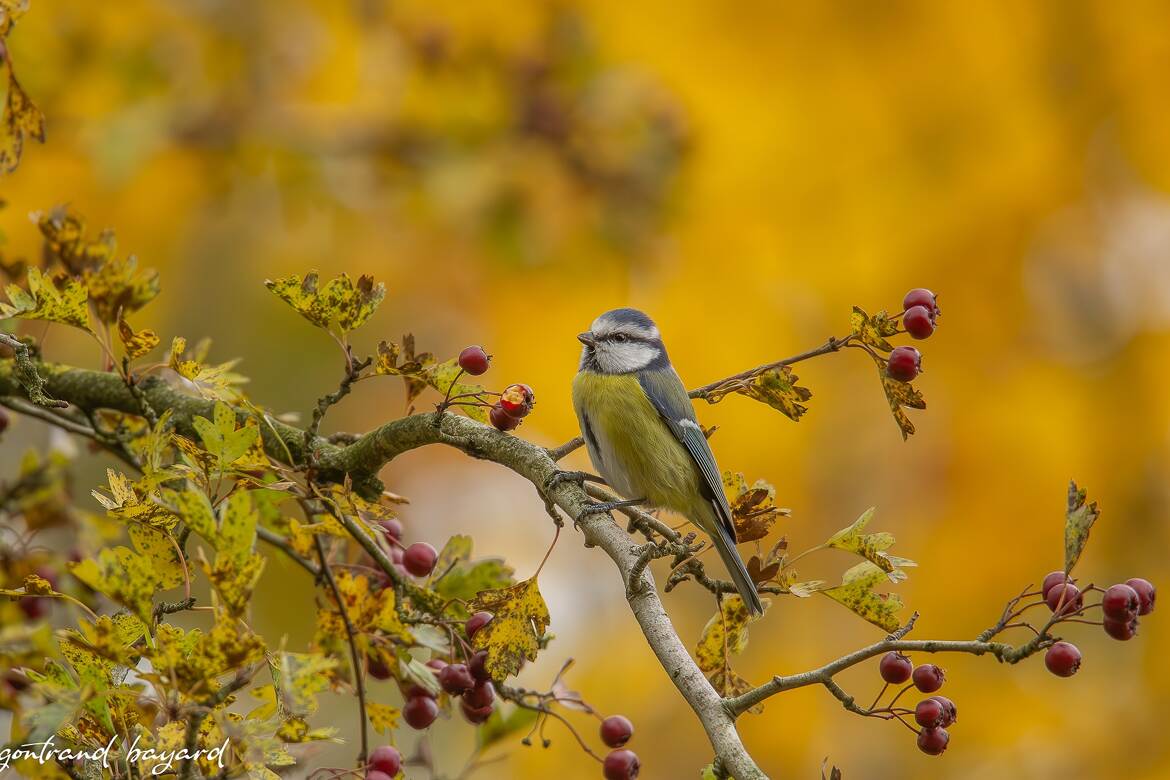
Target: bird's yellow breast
630, 444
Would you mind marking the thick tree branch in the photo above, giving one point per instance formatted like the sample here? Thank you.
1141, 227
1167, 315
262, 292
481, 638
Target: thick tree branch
361, 460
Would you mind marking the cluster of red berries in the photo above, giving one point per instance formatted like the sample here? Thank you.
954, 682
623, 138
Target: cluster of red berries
417, 559
470, 682
920, 314
1121, 605
511, 406
620, 764
934, 714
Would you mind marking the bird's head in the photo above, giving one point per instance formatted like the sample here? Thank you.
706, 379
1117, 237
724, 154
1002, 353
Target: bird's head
622, 341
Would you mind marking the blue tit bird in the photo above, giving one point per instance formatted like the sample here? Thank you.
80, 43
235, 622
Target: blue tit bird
642, 436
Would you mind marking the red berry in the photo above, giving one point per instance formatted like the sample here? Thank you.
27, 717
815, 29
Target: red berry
375, 774
478, 666
928, 678
474, 714
482, 695
1145, 591
920, 296
1067, 597
438, 664
474, 360
393, 528
933, 742
501, 420
420, 712
616, 730
456, 679
1063, 659
386, 759
895, 668
1051, 580
929, 713
1122, 630
621, 765
517, 400
904, 364
919, 322
419, 559
950, 711
1120, 602
476, 622
377, 668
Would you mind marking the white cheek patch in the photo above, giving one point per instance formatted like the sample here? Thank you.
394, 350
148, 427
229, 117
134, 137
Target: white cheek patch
623, 358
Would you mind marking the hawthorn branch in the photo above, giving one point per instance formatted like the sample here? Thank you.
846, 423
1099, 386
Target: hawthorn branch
350, 635
26, 373
834, 344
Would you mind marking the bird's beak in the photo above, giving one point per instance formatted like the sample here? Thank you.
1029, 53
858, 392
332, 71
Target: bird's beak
586, 338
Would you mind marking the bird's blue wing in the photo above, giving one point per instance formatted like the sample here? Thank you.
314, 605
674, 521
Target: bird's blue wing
666, 392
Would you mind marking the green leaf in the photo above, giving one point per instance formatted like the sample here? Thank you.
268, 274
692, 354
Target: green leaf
856, 593
499, 726
45, 301
520, 618
339, 302
461, 578
221, 437
443, 377
1079, 519
872, 547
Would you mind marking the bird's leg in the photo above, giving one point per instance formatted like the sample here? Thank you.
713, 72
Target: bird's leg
578, 477
606, 506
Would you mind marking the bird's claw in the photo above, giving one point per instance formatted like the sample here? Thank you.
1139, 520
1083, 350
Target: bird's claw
577, 477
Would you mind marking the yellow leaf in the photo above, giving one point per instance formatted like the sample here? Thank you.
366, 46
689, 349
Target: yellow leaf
21, 119
217, 381
725, 634
340, 301
872, 547
442, 378
753, 509
117, 287
899, 395
412, 369
520, 619
383, 717
873, 330
775, 387
122, 574
163, 552
136, 344
302, 677
856, 593
45, 301
222, 438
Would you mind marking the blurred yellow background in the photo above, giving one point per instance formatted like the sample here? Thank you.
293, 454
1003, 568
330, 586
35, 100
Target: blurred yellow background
745, 175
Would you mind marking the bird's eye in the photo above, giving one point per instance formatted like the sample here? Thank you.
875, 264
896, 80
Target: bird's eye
620, 338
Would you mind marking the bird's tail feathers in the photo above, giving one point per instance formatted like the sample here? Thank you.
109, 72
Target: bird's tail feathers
725, 544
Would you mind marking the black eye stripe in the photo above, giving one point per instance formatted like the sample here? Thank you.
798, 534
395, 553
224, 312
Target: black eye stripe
627, 337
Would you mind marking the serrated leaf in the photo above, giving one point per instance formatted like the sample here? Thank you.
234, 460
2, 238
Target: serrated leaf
44, 300
775, 387
411, 367
856, 593
899, 395
442, 377
216, 381
873, 330
137, 343
117, 287
222, 438
122, 574
872, 547
340, 301
1078, 521
753, 509
22, 119
303, 676
520, 618
163, 553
